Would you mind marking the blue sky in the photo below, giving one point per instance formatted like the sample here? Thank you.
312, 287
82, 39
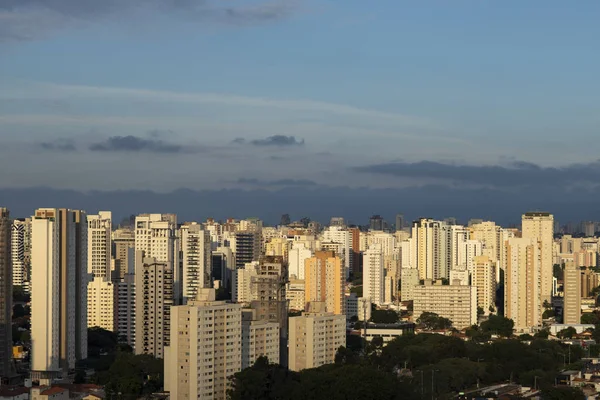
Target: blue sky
355, 83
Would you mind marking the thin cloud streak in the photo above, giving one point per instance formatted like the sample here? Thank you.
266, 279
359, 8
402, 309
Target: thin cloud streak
69, 91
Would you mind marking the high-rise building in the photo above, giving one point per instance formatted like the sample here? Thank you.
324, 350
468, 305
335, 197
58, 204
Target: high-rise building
410, 279
153, 302
324, 281
223, 267
484, 279
430, 245
124, 251
155, 235
99, 244
20, 264
126, 310
341, 237
399, 222
6, 369
522, 283
540, 225
297, 260
295, 295
572, 298
102, 298
259, 339
101, 292
458, 303
285, 220
376, 223
373, 275
269, 300
196, 257
355, 258
59, 292
247, 247
205, 348
315, 337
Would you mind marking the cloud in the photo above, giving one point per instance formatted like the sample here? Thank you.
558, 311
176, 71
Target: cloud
136, 144
31, 19
517, 173
65, 145
275, 140
276, 183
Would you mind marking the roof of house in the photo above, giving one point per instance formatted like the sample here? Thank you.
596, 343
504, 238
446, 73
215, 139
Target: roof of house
53, 390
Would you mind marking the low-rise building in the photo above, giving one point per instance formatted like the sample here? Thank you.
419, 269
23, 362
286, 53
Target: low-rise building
388, 332
458, 303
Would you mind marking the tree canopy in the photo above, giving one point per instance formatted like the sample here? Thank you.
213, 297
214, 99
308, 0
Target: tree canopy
432, 321
499, 325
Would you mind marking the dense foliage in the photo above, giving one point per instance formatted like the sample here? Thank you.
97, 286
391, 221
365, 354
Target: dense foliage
415, 365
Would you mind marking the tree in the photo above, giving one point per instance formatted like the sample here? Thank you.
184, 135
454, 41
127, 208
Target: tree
384, 317
480, 312
562, 393
567, 333
432, 321
525, 337
498, 324
548, 314
590, 318
542, 334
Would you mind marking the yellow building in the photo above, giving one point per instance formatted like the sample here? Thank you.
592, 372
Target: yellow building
324, 281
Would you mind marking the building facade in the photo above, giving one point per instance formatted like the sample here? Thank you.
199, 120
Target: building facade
205, 348
59, 292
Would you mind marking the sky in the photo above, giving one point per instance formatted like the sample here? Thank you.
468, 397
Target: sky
269, 94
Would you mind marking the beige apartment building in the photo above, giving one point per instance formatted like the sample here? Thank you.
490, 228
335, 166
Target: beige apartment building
102, 300
484, 279
324, 281
259, 339
572, 290
153, 301
295, 295
315, 337
58, 292
124, 246
458, 303
523, 300
540, 226
205, 348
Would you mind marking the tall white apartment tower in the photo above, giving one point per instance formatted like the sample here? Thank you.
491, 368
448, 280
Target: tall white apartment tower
540, 226
430, 248
196, 259
373, 275
99, 244
155, 235
101, 293
59, 292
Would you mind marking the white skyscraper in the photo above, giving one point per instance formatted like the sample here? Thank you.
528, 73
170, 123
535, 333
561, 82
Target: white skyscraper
297, 259
337, 234
59, 292
373, 275
101, 293
155, 235
99, 244
196, 259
